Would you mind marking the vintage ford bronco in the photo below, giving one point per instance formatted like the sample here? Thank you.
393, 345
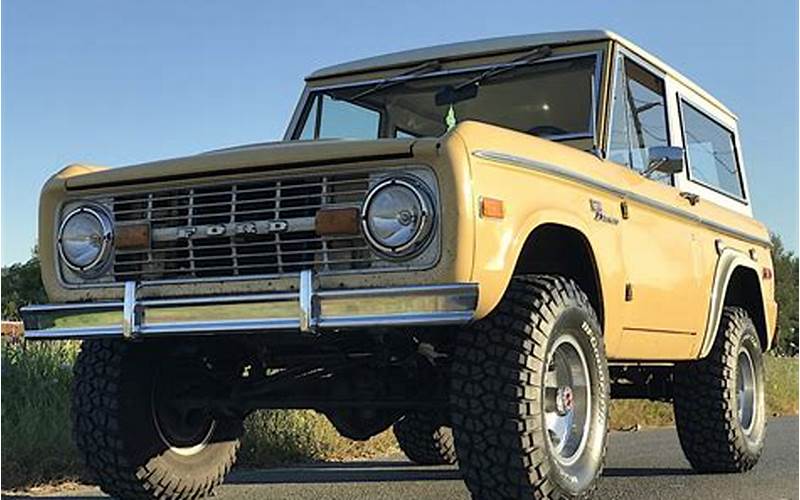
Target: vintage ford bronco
479, 244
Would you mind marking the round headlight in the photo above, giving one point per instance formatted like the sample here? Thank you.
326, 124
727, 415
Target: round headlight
84, 239
397, 217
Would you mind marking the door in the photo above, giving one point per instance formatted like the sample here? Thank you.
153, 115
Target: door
660, 249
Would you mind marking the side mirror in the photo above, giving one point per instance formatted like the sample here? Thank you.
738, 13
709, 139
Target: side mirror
664, 159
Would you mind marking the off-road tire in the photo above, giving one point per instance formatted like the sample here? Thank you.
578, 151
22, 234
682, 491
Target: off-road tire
497, 397
711, 435
424, 440
114, 428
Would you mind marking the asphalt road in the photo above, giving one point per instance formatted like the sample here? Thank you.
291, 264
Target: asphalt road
641, 465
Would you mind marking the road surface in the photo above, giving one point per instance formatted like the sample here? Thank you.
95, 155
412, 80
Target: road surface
641, 465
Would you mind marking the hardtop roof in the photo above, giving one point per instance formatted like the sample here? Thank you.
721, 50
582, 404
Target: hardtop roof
500, 45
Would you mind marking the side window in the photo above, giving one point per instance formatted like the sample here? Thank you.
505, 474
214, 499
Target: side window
311, 122
638, 117
710, 152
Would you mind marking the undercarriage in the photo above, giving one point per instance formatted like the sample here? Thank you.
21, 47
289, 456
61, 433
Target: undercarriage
363, 382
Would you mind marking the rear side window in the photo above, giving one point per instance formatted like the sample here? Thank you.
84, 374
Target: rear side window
710, 152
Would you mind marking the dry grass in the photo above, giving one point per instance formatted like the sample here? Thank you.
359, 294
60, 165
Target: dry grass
298, 436
781, 399
629, 413
782, 380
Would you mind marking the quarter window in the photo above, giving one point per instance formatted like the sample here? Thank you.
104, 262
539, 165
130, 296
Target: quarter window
308, 132
710, 152
638, 117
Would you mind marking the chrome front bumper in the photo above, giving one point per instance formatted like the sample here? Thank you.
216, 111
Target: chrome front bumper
306, 310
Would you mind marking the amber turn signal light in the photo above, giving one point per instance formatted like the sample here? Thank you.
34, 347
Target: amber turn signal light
337, 221
492, 208
132, 236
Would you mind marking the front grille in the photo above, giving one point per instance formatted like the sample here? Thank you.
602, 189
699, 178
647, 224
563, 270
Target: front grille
213, 230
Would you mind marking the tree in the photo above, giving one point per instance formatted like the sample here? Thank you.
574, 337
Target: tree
21, 285
785, 265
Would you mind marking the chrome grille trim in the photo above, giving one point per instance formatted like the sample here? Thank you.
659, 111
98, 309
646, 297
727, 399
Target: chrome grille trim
249, 205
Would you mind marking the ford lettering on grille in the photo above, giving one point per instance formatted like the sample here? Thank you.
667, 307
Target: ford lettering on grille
217, 230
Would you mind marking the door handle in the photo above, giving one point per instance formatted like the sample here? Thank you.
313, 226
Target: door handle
692, 198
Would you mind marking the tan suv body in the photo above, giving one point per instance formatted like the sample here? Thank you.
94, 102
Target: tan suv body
423, 195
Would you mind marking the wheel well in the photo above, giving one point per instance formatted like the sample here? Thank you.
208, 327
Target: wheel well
744, 290
557, 249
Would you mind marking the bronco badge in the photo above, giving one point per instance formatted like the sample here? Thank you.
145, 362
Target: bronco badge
597, 208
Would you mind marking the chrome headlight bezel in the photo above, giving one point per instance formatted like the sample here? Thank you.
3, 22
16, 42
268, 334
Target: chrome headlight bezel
105, 235
424, 225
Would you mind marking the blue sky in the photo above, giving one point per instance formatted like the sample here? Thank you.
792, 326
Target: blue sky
114, 83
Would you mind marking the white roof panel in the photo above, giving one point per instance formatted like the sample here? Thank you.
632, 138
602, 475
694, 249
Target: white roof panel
490, 46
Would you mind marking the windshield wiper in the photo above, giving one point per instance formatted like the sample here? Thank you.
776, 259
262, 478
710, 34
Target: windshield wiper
469, 89
423, 68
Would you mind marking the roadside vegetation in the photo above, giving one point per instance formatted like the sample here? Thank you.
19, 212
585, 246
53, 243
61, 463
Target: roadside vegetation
781, 399
37, 446
298, 436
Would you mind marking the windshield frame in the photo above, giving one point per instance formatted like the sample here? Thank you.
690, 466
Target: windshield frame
305, 104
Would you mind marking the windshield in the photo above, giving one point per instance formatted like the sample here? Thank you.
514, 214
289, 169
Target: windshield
552, 99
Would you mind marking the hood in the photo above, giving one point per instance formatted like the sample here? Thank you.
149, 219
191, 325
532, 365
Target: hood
246, 159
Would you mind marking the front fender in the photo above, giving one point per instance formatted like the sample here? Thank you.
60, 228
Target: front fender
500, 244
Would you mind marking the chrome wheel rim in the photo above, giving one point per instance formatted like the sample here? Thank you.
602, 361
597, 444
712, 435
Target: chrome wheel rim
185, 431
745, 390
567, 399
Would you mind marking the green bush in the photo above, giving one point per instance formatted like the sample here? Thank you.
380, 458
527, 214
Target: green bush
276, 436
297, 436
21, 285
37, 445
785, 264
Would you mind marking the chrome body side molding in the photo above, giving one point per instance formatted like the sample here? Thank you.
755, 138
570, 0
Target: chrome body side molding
563, 173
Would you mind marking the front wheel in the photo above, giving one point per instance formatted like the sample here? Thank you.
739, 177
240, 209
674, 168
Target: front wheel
719, 400
530, 394
138, 432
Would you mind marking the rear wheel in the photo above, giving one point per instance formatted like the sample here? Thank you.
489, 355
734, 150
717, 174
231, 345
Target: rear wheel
529, 394
719, 400
424, 439
137, 432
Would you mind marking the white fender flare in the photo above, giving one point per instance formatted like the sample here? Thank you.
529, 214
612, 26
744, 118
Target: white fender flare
729, 260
